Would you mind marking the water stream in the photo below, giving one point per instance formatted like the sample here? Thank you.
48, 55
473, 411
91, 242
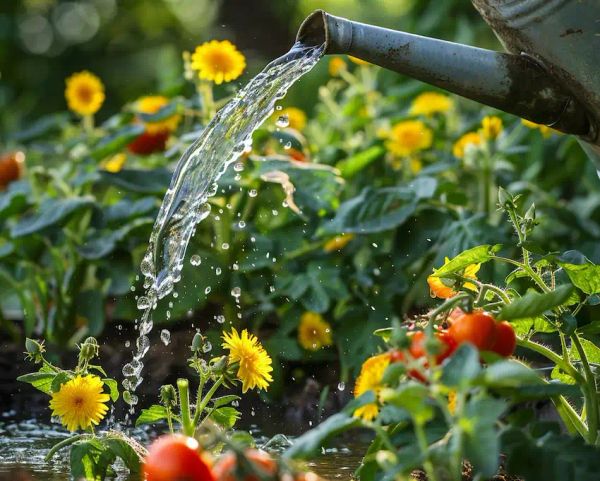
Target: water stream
225, 138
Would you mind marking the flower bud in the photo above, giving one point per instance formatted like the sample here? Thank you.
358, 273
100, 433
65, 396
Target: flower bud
35, 350
197, 342
218, 365
89, 349
168, 395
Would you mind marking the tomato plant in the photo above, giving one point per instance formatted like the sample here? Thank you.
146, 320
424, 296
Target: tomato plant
477, 328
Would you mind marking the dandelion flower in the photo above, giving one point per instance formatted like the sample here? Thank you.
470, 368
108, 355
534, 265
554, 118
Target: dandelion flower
151, 104
80, 402
408, 137
254, 362
296, 117
491, 127
84, 93
441, 290
218, 61
336, 65
369, 379
429, 103
544, 129
314, 332
461, 145
338, 242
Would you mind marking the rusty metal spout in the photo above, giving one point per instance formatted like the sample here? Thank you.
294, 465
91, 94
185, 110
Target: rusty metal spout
513, 83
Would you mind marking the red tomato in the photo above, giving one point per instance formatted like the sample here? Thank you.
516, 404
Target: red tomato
225, 468
417, 346
148, 143
11, 167
174, 457
506, 340
477, 328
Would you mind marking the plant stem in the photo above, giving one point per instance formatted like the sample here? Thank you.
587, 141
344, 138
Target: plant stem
422, 442
64, 443
590, 393
552, 356
184, 405
206, 399
513, 218
527, 268
208, 101
566, 411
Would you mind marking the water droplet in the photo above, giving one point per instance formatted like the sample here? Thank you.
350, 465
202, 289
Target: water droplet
282, 121
341, 386
207, 290
127, 343
241, 224
278, 107
218, 271
225, 246
207, 347
165, 337
143, 303
220, 319
287, 145
195, 260
238, 166
236, 292
252, 193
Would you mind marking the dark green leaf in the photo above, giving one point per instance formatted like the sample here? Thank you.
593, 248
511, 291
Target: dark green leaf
117, 141
462, 368
534, 304
122, 449
143, 181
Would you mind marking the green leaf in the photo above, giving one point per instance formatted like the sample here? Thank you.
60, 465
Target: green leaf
42, 381
113, 388
585, 276
475, 255
412, 397
534, 304
357, 162
378, 210
15, 199
122, 449
225, 416
52, 212
142, 181
117, 141
90, 460
509, 374
462, 368
154, 413
384, 333
42, 126
99, 245
524, 326
223, 400
59, 380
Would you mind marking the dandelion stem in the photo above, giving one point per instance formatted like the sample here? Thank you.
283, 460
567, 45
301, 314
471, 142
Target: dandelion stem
184, 405
206, 399
64, 443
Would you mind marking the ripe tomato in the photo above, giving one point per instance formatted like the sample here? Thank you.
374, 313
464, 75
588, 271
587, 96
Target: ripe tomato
225, 467
174, 457
148, 143
11, 167
477, 328
417, 345
506, 340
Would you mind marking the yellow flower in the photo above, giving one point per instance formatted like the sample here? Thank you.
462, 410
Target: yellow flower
460, 146
313, 332
80, 402
358, 61
296, 117
218, 61
408, 137
336, 65
84, 93
429, 103
544, 129
338, 242
441, 290
152, 104
369, 379
452, 402
115, 163
254, 362
491, 127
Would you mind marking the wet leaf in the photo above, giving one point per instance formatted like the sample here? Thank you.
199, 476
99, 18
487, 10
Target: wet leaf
475, 255
154, 413
534, 304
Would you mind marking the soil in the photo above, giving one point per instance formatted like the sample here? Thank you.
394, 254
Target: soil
467, 475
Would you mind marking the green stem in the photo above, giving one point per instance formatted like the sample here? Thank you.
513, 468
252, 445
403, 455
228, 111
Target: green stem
170, 420
208, 101
422, 442
64, 443
527, 268
552, 356
513, 218
590, 392
566, 411
206, 399
449, 303
184, 405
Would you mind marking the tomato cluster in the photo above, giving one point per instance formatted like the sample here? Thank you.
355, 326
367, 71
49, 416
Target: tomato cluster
175, 457
477, 328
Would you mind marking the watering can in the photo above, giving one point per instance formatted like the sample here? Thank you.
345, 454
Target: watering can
549, 75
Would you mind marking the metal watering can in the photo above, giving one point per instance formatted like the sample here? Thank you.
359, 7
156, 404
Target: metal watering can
550, 75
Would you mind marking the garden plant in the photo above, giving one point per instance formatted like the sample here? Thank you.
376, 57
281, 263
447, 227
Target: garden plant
434, 261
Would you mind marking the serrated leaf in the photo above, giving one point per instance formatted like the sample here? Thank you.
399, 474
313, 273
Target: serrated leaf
113, 388
223, 400
39, 380
59, 380
585, 276
154, 413
534, 304
475, 255
122, 449
225, 416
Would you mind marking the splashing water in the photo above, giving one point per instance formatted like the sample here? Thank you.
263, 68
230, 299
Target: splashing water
224, 139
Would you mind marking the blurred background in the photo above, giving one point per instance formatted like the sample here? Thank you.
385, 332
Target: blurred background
135, 46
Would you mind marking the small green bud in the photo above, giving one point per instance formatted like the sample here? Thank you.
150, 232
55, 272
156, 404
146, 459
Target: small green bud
35, 350
504, 198
168, 395
218, 365
197, 342
89, 349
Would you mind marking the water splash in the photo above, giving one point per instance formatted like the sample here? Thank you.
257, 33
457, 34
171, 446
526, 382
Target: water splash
225, 138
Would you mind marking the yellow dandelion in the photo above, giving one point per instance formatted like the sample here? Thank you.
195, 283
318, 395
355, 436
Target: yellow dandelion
369, 379
358, 61
338, 242
84, 93
429, 103
544, 129
296, 118
491, 127
115, 163
152, 104
461, 145
314, 332
80, 402
218, 61
408, 137
336, 65
441, 290
254, 362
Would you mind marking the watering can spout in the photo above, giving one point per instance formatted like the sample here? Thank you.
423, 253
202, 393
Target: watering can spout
514, 83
